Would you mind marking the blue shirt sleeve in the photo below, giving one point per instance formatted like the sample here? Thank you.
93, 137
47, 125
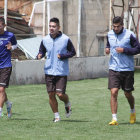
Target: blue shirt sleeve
135, 46
42, 49
13, 40
107, 44
70, 51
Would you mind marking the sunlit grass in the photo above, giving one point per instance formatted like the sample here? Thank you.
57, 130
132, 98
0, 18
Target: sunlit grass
32, 116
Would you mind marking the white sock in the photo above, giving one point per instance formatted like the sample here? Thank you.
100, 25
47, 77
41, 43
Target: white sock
0, 111
114, 117
132, 110
56, 115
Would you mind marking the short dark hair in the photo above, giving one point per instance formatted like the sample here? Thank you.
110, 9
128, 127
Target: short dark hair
2, 20
118, 20
56, 20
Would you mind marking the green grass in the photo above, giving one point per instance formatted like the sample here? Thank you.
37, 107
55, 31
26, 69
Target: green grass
32, 116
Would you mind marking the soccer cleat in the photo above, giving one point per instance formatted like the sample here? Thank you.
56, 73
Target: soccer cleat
56, 119
113, 122
68, 110
132, 118
9, 110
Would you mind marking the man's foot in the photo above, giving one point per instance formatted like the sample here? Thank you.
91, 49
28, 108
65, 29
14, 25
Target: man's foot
9, 110
113, 122
68, 110
56, 119
132, 118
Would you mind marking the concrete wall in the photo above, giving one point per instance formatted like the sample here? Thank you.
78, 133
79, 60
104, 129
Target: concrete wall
32, 71
88, 67
95, 20
27, 72
37, 18
95, 16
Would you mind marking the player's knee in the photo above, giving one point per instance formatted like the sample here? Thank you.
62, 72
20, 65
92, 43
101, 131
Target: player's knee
2, 90
114, 92
60, 95
128, 95
114, 95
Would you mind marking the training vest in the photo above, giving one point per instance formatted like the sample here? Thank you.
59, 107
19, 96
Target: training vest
54, 65
120, 61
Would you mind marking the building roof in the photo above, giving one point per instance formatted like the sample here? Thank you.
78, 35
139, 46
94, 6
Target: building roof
30, 46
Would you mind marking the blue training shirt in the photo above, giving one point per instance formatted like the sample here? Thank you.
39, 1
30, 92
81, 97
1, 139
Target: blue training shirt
5, 55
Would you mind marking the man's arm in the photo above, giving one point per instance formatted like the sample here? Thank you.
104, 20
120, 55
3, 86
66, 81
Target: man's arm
12, 44
131, 51
70, 53
107, 50
42, 51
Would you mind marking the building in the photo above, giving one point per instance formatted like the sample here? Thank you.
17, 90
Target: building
85, 21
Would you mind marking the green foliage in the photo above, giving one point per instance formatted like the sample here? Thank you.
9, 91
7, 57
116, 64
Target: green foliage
32, 116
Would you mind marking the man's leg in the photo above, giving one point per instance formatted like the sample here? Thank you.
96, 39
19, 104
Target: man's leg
54, 106
114, 105
2, 99
65, 99
50, 85
60, 91
131, 101
3, 96
53, 102
113, 100
4, 80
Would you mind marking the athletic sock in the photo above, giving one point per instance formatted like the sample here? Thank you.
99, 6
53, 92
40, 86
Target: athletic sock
132, 110
114, 117
0, 111
56, 115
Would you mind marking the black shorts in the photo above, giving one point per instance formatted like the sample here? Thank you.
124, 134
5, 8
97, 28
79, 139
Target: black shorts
124, 80
5, 76
56, 83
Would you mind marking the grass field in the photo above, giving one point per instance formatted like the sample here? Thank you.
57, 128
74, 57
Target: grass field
32, 116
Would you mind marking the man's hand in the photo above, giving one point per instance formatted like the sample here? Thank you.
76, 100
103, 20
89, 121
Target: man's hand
107, 50
9, 46
59, 56
39, 56
119, 50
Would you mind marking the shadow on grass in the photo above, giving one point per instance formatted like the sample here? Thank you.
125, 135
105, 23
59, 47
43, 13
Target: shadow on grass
29, 119
13, 114
74, 121
21, 119
127, 123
